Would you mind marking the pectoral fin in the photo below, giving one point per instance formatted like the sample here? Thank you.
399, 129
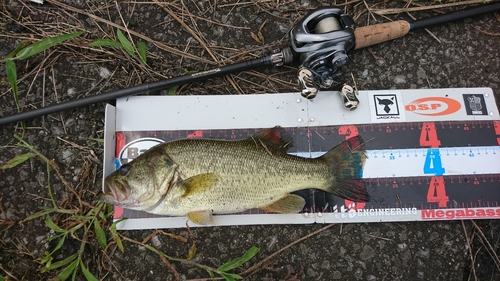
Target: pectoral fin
288, 204
199, 183
200, 217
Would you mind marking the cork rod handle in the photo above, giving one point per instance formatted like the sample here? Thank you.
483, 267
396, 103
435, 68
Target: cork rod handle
374, 34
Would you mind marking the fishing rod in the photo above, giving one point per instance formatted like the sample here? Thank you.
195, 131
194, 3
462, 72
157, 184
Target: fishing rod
319, 43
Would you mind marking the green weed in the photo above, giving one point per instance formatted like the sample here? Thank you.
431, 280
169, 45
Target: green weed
26, 50
80, 225
223, 270
125, 44
84, 226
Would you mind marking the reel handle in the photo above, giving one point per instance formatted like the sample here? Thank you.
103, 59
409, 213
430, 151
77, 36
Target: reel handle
373, 34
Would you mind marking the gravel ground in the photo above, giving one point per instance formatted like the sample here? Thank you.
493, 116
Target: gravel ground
461, 54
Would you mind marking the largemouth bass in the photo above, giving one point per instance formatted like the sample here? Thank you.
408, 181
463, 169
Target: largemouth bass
200, 177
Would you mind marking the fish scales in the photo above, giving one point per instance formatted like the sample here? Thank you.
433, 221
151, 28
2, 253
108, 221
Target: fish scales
198, 177
251, 174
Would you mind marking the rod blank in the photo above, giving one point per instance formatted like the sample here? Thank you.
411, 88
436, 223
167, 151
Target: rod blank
136, 90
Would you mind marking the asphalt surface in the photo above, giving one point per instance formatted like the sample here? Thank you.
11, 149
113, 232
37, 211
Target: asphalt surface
465, 54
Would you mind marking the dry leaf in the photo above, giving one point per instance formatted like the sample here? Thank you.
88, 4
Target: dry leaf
257, 37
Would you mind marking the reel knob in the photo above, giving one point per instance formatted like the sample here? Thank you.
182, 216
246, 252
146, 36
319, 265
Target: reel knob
307, 84
349, 97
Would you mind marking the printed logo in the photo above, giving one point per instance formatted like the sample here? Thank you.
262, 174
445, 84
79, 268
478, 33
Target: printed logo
386, 106
475, 105
350, 212
137, 147
434, 106
461, 213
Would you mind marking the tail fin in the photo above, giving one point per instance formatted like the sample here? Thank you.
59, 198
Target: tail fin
346, 162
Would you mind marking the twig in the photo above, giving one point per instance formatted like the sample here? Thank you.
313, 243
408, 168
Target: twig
265, 147
369, 10
423, 8
428, 31
374, 55
8, 273
165, 261
259, 265
378, 237
470, 250
489, 248
485, 32
144, 37
188, 29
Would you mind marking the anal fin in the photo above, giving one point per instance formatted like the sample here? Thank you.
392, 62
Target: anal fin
200, 217
288, 204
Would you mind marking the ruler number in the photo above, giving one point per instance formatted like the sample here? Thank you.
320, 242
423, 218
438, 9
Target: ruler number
437, 192
432, 164
497, 131
428, 135
351, 205
349, 131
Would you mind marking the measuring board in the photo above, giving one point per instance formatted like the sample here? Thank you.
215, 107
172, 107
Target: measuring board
432, 154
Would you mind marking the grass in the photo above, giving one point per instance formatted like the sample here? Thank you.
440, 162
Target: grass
26, 50
86, 226
82, 225
125, 44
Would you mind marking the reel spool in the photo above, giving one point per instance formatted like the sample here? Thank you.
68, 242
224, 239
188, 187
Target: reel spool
322, 39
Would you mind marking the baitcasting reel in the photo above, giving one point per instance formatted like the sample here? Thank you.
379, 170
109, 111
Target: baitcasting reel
321, 40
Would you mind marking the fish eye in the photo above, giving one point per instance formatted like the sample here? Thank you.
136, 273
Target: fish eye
124, 170
168, 162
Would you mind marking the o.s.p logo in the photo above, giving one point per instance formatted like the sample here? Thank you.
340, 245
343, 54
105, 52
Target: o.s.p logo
137, 147
433, 106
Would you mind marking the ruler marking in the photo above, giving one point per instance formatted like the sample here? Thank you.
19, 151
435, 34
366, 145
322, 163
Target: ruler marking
481, 170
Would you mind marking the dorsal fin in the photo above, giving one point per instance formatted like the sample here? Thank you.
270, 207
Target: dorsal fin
276, 137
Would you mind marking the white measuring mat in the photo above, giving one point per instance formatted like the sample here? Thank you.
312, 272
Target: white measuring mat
154, 117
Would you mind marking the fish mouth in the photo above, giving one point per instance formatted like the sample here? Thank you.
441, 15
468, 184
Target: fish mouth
115, 191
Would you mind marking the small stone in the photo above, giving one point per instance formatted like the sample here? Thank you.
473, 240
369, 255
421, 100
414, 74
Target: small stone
367, 253
311, 272
272, 242
40, 238
325, 264
222, 247
402, 247
66, 154
104, 72
358, 273
71, 91
424, 253
156, 241
400, 79
421, 73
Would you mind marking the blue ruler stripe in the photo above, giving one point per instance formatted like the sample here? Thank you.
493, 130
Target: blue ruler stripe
427, 162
